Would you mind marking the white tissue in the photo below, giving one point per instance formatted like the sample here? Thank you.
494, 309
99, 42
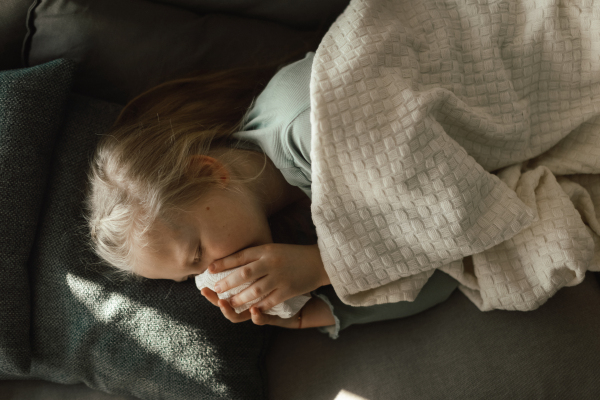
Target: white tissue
284, 310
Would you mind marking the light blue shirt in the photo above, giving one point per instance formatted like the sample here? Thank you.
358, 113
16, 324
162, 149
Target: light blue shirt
279, 123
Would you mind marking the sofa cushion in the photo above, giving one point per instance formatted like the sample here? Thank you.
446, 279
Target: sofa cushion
13, 17
301, 14
31, 103
127, 46
451, 351
150, 339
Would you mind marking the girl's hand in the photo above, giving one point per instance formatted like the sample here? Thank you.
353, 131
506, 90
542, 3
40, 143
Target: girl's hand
226, 309
281, 271
253, 313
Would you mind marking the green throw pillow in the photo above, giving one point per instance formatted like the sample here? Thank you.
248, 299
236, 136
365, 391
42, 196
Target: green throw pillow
149, 339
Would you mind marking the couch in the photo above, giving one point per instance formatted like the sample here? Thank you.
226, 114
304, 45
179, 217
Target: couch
450, 351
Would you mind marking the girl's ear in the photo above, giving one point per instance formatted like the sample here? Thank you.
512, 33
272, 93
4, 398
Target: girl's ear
208, 166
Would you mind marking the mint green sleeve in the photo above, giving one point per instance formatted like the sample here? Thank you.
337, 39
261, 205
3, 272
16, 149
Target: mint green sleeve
437, 290
279, 123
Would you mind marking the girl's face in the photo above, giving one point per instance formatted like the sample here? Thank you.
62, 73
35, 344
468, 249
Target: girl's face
220, 224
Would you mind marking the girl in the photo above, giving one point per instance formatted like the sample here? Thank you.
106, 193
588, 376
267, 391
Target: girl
189, 180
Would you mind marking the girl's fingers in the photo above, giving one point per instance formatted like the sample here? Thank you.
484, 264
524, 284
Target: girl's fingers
210, 296
230, 313
258, 318
247, 273
270, 301
255, 291
226, 309
238, 259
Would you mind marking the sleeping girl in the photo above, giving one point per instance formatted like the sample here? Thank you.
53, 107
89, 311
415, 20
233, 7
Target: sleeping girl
197, 176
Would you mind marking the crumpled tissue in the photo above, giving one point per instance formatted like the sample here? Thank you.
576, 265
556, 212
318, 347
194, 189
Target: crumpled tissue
286, 309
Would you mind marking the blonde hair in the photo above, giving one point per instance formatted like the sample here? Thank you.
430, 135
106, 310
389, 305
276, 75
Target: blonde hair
140, 172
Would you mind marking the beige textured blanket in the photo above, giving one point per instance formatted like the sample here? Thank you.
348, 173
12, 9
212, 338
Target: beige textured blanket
444, 129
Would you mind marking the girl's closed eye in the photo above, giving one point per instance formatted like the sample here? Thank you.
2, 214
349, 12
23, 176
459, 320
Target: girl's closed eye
198, 256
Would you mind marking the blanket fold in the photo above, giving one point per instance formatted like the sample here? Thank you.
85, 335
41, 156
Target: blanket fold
414, 104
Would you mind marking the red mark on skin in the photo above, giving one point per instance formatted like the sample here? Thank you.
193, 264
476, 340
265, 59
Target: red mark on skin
207, 208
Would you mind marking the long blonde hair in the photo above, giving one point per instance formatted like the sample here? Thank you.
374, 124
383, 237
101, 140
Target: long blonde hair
140, 171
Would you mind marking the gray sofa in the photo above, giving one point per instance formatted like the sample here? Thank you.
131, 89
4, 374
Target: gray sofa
451, 351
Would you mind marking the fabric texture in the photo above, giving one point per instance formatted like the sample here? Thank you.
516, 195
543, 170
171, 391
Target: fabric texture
31, 102
413, 103
125, 47
13, 14
303, 14
451, 351
149, 339
286, 309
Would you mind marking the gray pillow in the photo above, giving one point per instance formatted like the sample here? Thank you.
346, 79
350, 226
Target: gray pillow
31, 101
149, 339
127, 46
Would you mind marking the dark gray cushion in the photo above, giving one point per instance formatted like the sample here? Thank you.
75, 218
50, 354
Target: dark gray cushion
302, 14
13, 17
451, 351
149, 339
127, 46
31, 103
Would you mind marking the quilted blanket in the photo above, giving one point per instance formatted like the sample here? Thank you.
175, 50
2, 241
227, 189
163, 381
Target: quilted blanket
455, 130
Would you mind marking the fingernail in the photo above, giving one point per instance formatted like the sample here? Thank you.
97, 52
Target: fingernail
217, 288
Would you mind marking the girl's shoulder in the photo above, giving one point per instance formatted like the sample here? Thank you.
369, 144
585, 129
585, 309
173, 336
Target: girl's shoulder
294, 73
286, 95
278, 124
